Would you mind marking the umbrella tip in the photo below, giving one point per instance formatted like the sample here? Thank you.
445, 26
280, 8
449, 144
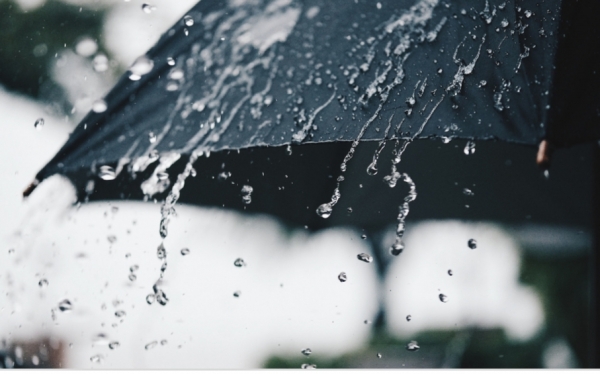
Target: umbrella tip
544, 154
30, 188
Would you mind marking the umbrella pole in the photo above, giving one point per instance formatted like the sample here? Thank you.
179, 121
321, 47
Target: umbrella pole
595, 268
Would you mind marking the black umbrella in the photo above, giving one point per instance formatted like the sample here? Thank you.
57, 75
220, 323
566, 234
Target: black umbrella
280, 93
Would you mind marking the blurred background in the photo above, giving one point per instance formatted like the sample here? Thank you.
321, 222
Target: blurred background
74, 277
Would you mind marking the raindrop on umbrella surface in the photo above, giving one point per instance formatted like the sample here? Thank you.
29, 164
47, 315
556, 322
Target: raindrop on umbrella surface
342, 277
413, 345
107, 173
408, 317
113, 345
147, 8
150, 345
469, 148
65, 306
472, 243
504, 23
306, 351
188, 20
141, 66
185, 251
152, 137
43, 283
239, 262
247, 194
443, 298
365, 257
99, 106
528, 13
39, 123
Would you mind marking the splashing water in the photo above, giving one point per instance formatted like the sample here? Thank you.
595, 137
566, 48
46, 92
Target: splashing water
372, 168
398, 245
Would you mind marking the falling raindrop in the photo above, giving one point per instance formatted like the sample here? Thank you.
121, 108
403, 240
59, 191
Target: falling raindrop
185, 251
397, 248
43, 283
308, 366
150, 345
188, 20
134, 268
247, 194
161, 252
224, 175
342, 277
413, 345
408, 317
288, 150
132, 277
363, 236
546, 174
468, 192
472, 243
96, 359
170, 61
365, 257
239, 262
107, 173
469, 148
324, 210
65, 306
237, 293
164, 342
443, 298
450, 273
113, 345
150, 299
39, 123
367, 322
306, 351
147, 8
99, 106
120, 313
161, 297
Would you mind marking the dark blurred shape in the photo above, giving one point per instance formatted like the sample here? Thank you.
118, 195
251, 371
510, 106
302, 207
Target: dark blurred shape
44, 353
30, 40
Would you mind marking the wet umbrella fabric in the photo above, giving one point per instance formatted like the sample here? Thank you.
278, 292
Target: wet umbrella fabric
244, 75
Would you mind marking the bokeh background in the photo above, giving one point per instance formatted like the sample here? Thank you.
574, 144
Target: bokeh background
520, 299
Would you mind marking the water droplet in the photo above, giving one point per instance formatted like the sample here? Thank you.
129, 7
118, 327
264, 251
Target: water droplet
86, 47
100, 63
504, 23
365, 257
349, 210
35, 360
120, 313
378, 5
239, 262
39, 123
134, 268
324, 210
469, 148
170, 61
413, 345
147, 8
482, 83
188, 20
141, 66
306, 351
111, 239
132, 277
443, 298
161, 252
342, 277
450, 273
152, 137
363, 236
408, 317
528, 13
96, 359
546, 174
161, 297
308, 366
150, 299
164, 342
65, 306
247, 194
288, 150
379, 355
162, 176
114, 345
468, 192
367, 322
43, 283
107, 173
99, 106
237, 293
223, 176
397, 248
185, 251
151, 345
472, 243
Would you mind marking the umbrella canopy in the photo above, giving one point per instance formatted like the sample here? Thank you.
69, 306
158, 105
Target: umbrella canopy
252, 75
